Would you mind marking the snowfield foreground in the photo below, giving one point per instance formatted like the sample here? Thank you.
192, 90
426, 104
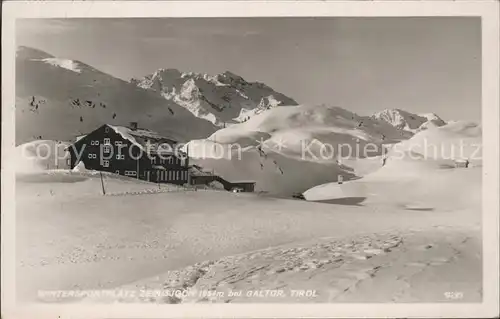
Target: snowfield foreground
71, 237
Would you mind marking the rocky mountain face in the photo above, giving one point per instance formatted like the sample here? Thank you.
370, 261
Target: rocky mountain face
58, 99
407, 121
222, 99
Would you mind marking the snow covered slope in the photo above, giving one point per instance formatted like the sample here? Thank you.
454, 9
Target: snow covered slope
69, 235
57, 99
40, 155
311, 130
455, 141
221, 98
408, 121
421, 178
289, 148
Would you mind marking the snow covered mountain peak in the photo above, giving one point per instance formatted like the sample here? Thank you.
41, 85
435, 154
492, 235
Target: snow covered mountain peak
27, 53
407, 121
64, 63
80, 98
221, 98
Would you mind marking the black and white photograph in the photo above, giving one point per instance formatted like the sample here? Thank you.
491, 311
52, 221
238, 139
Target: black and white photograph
160, 160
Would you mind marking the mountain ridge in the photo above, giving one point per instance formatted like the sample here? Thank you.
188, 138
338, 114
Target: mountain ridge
224, 98
59, 98
408, 121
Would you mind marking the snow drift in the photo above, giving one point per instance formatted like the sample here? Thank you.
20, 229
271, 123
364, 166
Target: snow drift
41, 155
419, 179
455, 141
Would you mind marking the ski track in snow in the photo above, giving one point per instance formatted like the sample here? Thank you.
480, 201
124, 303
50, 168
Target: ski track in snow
415, 266
69, 236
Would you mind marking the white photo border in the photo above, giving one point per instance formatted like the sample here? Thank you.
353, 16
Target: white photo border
487, 10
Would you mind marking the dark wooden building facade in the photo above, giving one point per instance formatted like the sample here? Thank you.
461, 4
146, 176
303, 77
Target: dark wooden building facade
133, 152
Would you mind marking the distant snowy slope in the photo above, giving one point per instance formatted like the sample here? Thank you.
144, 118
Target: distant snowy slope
408, 121
424, 166
57, 99
454, 141
63, 63
289, 148
318, 126
221, 98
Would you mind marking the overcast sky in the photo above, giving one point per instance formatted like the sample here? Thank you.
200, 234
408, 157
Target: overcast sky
361, 64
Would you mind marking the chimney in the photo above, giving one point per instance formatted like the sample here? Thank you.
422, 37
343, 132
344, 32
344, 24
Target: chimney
133, 125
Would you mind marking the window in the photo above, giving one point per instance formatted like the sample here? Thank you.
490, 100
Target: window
177, 175
92, 155
106, 130
120, 156
153, 160
105, 163
107, 141
117, 171
130, 173
173, 176
107, 149
94, 142
118, 143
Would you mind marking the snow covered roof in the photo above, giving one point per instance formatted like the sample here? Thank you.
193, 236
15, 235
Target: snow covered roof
243, 182
196, 170
148, 141
161, 167
145, 139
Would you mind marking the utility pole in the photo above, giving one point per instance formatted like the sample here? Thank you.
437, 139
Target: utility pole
137, 169
102, 184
